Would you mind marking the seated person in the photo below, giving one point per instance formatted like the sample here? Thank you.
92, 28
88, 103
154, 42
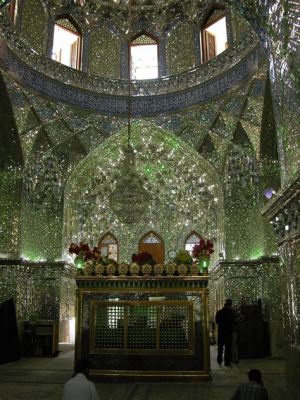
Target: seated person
252, 390
79, 387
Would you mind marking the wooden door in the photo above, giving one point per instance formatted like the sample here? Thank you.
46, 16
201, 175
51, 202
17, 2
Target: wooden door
153, 244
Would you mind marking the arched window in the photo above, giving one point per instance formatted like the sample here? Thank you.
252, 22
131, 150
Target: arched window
143, 58
214, 35
108, 246
190, 241
153, 244
66, 43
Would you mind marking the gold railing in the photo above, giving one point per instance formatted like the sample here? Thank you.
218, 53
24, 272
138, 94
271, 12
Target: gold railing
142, 326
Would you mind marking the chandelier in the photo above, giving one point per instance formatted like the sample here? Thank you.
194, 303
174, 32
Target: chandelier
129, 200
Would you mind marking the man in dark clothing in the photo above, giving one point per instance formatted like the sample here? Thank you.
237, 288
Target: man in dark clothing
252, 390
225, 321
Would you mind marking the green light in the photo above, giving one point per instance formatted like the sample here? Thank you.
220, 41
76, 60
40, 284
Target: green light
79, 262
173, 143
256, 253
148, 170
31, 256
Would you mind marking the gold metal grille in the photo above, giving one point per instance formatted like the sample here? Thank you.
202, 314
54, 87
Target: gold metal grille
142, 326
108, 327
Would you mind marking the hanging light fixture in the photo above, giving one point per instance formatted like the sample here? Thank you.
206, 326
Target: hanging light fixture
129, 200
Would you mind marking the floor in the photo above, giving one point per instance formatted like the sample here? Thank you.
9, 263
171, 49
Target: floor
43, 378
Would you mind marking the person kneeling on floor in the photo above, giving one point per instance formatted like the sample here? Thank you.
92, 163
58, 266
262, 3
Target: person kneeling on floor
79, 387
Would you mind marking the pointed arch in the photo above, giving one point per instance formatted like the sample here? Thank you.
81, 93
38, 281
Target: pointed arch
67, 42
143, 37
152, 243
109, 246
213, 34
143, 55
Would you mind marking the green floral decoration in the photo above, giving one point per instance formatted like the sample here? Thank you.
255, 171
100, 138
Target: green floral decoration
183, 257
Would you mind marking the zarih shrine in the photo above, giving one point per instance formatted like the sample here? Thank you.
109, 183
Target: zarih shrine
144, 326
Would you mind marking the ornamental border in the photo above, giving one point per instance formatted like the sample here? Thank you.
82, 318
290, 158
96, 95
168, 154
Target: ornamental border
117, 105
169, 94
157, 283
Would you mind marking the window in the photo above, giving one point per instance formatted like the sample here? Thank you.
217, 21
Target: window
108, 246
143, 58
190, 241
151, 237
13, 10
214, 35
66, 44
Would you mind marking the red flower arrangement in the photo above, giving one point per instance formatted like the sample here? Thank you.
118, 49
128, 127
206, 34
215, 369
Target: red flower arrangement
85, 253
142, 258
204, 248
83, 250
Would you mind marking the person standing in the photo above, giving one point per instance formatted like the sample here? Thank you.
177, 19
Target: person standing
79, 387
252, 390
225, 321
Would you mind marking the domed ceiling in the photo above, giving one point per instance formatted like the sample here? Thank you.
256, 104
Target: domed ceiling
67, 146
165, 12
203, 136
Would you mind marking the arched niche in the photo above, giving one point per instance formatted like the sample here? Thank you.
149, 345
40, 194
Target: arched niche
153, 244
168, 168
109, 246
191, 240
